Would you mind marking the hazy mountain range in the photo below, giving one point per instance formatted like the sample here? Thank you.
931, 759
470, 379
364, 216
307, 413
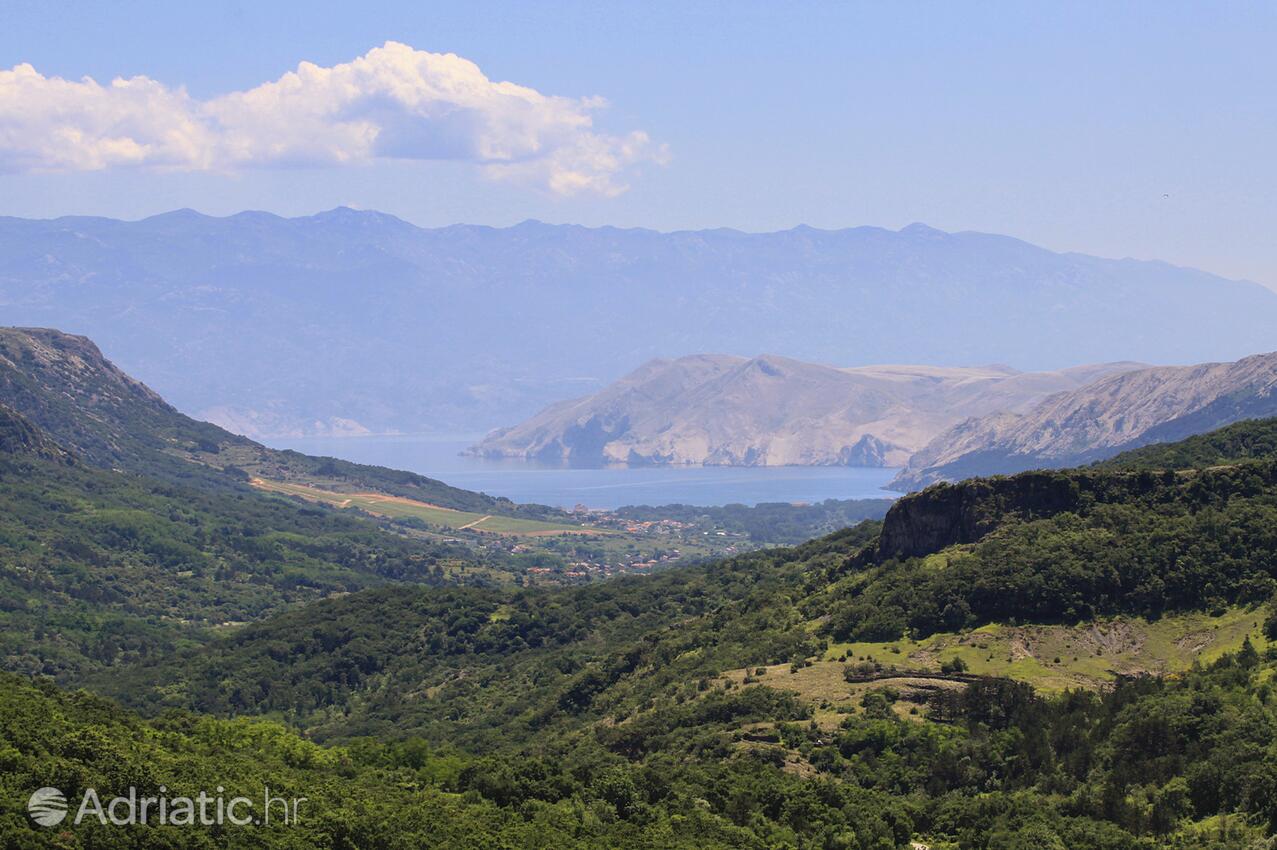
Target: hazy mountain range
1111, 415
774, 411
351, 321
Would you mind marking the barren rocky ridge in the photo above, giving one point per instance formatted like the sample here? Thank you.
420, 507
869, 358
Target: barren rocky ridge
774, 411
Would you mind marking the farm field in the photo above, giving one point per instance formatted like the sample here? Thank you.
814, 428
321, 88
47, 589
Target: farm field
396, 507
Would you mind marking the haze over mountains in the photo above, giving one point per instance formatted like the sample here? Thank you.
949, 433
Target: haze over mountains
350, 321
774, 411
1100, 420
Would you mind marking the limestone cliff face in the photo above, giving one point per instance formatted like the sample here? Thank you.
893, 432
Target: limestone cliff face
772, 411
1109, 416
949, 514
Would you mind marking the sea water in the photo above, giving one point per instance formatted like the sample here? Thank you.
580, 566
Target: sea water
599, 487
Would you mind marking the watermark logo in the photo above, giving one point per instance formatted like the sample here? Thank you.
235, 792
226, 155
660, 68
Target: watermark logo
47, 807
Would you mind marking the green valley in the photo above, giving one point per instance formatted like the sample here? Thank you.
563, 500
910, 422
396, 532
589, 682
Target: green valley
1078, 658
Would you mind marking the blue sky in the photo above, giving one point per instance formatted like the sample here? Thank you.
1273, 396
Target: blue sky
1134, 129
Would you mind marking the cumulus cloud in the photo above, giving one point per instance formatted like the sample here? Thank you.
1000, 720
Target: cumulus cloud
392, 103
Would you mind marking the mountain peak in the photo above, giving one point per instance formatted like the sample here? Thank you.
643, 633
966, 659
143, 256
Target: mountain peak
259, 216
772, 365
183, 215
921, 230
349, 216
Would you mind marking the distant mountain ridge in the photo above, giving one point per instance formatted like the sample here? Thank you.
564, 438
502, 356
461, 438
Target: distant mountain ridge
352, 321
1112, 415
773, 411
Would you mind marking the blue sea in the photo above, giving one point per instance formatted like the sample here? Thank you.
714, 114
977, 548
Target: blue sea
603, 487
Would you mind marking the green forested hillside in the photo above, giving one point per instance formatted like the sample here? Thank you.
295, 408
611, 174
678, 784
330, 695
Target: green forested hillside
536, 683
486, 666
1066, 547
99, 568
664, 711
65, 386
1054, 547
512, 664
1181, 764
128, 530
369, 795
1250, 440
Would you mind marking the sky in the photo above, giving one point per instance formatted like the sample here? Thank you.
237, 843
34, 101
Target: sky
1141, 129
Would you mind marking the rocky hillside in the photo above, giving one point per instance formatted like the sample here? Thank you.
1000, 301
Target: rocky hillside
1112, 415
64, 386
19, 437
773, 411
368, 322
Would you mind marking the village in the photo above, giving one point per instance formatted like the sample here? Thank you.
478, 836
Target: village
625, 545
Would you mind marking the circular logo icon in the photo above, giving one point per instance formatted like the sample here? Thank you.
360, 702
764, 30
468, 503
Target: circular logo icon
47, 807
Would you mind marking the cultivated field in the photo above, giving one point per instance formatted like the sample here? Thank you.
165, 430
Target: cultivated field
397, 507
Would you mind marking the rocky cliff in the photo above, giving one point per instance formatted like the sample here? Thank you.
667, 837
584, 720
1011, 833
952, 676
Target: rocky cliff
946, 514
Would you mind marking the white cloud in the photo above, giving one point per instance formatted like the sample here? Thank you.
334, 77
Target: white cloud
394, 102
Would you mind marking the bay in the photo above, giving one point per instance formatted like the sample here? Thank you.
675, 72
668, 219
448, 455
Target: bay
599, 487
